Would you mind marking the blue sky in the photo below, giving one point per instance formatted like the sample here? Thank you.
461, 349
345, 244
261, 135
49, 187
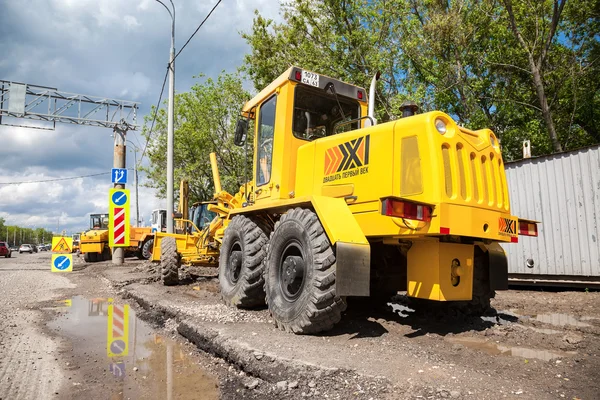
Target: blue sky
109, 48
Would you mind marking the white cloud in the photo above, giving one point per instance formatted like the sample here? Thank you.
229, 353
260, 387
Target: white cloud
131, 21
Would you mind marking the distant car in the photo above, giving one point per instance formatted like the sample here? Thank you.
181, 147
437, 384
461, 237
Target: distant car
42, 247
26, 248
14, 248
5, 250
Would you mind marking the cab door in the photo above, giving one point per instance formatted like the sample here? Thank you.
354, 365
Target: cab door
265, 135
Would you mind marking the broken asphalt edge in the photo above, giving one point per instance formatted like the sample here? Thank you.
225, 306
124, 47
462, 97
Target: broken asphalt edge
263, 365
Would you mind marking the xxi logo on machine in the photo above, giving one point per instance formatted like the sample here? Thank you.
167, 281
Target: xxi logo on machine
347, 159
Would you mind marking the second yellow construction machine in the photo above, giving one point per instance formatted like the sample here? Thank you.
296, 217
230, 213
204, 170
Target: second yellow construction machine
342, 206
94, 246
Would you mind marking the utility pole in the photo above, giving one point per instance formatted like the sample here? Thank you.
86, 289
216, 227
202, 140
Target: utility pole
119, 157
170, 115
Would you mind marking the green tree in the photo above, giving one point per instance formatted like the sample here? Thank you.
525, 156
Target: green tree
521, 67
205, 119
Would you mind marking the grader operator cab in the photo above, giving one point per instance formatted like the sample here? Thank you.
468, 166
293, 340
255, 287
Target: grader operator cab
342, 206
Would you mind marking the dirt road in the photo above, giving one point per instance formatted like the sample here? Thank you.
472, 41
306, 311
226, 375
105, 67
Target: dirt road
108, 332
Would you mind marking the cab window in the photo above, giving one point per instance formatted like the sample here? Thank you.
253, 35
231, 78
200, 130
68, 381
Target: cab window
316, 113
266, 130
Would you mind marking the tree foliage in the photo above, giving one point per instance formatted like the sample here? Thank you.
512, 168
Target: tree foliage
16, 235
528, 69
205, 119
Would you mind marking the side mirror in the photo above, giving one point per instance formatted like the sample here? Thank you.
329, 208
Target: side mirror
177, 215
241, 131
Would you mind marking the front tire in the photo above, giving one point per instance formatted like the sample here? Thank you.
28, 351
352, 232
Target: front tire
147, 249
300, 275
241, 263
169, 261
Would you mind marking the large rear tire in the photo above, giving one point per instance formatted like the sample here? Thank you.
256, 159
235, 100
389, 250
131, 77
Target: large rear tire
147, 249
300, 275
241, 263
169, 261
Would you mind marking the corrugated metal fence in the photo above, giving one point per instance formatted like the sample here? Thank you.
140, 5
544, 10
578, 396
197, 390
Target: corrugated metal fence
563, 192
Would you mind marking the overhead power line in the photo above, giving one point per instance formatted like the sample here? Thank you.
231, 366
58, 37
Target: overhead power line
154, 118
55, 179
197, 29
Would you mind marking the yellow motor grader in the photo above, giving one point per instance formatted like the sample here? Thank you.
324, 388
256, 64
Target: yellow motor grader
341, 206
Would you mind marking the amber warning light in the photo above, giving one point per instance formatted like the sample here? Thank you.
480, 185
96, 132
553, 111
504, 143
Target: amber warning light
405, 209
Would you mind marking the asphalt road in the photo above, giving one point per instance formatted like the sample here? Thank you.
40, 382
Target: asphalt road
56, 341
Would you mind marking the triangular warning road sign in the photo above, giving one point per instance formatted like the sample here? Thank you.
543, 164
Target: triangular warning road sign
61, 246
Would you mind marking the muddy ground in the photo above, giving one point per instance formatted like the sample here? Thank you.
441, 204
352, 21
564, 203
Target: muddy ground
539, 345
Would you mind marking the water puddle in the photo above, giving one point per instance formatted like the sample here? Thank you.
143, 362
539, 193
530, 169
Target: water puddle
556, 319
401, 310
500, 349
559, 319
136, 361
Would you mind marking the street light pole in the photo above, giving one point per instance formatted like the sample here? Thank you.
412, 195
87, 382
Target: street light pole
135, 177
170, 115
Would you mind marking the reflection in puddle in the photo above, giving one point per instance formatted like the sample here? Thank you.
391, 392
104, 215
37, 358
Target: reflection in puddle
559, 319
140, 362
499, 349
555, 319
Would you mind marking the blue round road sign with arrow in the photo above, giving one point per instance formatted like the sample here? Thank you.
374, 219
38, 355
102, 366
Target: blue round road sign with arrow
119, 198
117, 346
62, 263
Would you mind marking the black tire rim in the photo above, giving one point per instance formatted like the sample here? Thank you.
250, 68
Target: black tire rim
234, 267
292, 271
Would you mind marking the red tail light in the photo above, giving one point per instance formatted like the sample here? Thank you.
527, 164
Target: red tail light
527, 228
406, 209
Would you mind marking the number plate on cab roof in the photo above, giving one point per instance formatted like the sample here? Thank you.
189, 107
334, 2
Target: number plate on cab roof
310, 78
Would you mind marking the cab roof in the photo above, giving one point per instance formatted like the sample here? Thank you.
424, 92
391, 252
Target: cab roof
341, 88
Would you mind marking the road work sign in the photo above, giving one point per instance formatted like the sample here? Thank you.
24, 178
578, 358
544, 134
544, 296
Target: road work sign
61, 244
119, 175
118, 218
117, 341
62, 262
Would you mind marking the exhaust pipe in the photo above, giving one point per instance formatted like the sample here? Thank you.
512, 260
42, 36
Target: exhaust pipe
371, 109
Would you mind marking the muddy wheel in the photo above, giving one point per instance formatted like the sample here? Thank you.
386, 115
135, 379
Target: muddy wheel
86, 257
147, 249
241, 263
169, 261
300, 275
